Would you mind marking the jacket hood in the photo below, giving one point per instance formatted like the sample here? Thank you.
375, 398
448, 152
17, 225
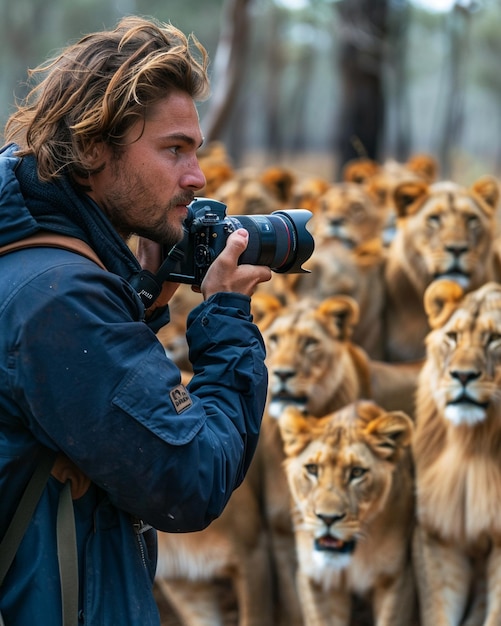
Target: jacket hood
28, 205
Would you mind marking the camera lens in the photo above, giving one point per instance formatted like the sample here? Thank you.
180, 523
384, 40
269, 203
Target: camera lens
279, 240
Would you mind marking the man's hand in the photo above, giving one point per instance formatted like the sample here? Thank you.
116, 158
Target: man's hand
225, 274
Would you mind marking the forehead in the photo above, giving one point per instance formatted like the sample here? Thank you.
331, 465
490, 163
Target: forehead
451, 199
482, 314
338, 445
176, 113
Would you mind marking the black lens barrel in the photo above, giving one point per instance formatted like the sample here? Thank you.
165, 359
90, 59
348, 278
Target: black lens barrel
279, 240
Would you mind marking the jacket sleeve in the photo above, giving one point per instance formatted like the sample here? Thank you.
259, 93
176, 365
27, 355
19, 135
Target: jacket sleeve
92, 380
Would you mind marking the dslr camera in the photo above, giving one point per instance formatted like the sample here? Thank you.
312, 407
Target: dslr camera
279, 240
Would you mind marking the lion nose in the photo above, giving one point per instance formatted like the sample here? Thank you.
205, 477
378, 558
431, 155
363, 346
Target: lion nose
328, 520
457, 249
284, 375
464, 377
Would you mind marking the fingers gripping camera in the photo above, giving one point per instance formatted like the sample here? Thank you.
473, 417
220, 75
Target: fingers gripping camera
279, 240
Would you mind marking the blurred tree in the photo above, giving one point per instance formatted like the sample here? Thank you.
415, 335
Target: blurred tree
230, 56
398, 138
458, 23
362, 40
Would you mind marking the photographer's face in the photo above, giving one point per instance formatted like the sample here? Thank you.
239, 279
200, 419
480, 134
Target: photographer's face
146, 190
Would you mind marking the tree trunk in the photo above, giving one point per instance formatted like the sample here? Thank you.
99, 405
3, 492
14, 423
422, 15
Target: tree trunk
229, 63
362, 34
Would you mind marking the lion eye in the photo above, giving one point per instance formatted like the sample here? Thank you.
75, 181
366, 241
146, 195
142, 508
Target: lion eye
272, 339
472, 221
311, 468
452, 336
433, 220
493, 337
357, 472
311, 342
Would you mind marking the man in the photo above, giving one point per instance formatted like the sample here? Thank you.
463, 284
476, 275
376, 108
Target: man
105, 146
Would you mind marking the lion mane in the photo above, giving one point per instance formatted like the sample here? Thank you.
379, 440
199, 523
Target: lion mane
444, 231
457, 452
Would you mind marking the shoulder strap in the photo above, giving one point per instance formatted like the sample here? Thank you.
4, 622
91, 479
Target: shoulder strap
48, 239
24, 512
66, 536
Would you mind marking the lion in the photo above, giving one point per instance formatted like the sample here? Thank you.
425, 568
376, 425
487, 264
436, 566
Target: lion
445, 230
307, 190
350, 478
346, 212
348, 259
381, 179
246, 194
457, 453
313, 365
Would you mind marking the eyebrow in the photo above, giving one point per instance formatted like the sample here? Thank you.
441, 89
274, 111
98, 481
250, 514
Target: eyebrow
184, 138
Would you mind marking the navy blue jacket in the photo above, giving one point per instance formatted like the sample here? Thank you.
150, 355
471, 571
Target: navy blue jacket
81, 372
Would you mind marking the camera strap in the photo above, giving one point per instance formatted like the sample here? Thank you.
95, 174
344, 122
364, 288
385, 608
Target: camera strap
149, 285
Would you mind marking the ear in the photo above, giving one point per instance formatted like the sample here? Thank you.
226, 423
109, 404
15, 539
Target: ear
342, 314
487, 189
440, 301
94, 154
359, 170
264, 309
423, 165
389, 434
408, 196
295, 429
279, 182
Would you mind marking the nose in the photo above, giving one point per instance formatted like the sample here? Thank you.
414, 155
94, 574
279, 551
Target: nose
193, 178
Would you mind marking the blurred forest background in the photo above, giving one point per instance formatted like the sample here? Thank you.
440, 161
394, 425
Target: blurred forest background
312, 83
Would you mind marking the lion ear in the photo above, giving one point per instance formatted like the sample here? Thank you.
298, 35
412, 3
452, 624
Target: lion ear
487, 189
264, 308
423, 165
296, 430
359, 170
341, 313
390, 433
407, 196
440, 301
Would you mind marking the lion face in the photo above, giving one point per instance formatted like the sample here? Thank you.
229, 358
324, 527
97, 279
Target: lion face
381, 180
447, 231
340, 472
246, 194
308, 355
346, 213
464, 351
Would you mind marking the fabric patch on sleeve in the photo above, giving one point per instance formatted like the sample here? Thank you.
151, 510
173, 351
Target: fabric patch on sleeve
180, 398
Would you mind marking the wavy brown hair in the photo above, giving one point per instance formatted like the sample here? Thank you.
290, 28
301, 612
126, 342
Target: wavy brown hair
97, 88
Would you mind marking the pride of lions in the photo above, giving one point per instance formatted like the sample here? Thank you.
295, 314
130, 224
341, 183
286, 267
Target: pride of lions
374, 497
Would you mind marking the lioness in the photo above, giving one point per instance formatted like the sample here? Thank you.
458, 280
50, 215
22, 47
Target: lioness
445, 230
381, 179
457, 452
350, 477
348, 259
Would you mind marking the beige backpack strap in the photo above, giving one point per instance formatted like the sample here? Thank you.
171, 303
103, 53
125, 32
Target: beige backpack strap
48, 239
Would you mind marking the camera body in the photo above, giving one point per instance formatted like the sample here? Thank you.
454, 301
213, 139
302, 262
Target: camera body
279, 240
